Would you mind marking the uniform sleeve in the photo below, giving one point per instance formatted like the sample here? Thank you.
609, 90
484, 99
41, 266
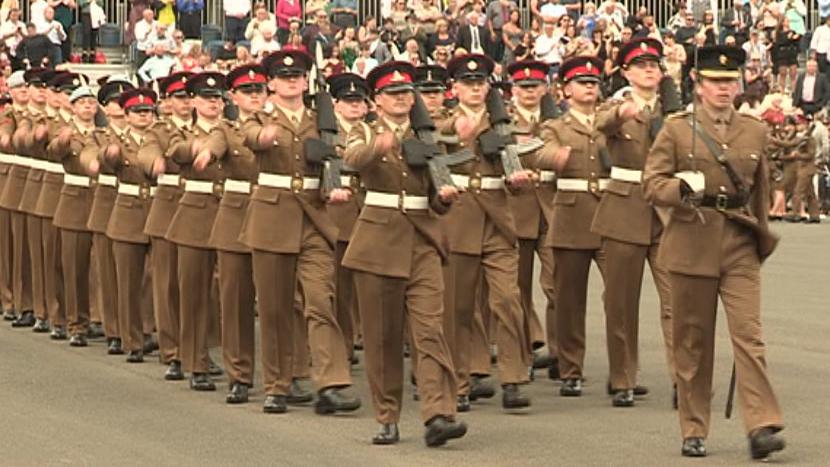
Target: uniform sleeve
608, 119
179, 149
360, 147
550, 136
56, 151
759, 203
251, 130
151, 150
94, 147
217, 142
660, 186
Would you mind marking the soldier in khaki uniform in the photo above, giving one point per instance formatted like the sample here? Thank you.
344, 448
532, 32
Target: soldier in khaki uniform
532, 206
39, 110
350, 93
482, 237
196, 155
629, 226
169, 191
292, 241
72, 210
573, 148
396, 252
805, 200
126, 223
103, 202
712, 173
236, 282
10, 122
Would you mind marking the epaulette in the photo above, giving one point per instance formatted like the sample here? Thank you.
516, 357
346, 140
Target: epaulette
607, 104
679, 115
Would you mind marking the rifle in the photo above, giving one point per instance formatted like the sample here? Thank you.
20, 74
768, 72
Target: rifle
499, 141
322, 150
424, 150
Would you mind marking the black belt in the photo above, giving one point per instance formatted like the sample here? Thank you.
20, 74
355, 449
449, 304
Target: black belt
722, 202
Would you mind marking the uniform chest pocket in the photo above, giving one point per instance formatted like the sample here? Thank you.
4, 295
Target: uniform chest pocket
564, 198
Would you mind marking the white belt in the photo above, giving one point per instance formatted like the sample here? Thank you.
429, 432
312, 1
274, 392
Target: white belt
626, 175
484, 183
131, 189
7, 158
285, 181
547, 175
398, 201
197, 186
107, 180
168, 179
22, 161
54, 167
38, 164
578, 184
76, 180
237, 186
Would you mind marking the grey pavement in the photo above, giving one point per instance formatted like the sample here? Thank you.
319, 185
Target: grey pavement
65, 406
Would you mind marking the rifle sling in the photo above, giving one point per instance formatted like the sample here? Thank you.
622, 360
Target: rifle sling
716, 151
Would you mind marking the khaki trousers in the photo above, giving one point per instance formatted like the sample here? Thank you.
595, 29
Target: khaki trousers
301, 360
533, 327
6, 259
129, 271
805, 193
34, 237
570, 278
499, 264
236, 300
275, 277
386, 304
107, 279
75, 254
624, 265
164, 258
195, 270
694, 307
53, 286
21, 264
346, 306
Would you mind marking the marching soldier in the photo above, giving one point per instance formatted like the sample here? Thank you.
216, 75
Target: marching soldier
236, 283
38, 111
126, 223
72, 209
103, 202
573, 148
711, 169
292, 240
805, 200
350, 93
169, 191
430, 81
482, 240
396, 253
628, 225
195, 153
531, 207
10, 121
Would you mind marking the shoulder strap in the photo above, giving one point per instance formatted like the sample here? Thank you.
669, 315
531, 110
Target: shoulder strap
716, 151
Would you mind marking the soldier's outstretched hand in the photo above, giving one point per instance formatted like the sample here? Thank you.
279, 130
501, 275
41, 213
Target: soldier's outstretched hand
627, 110
158, 166
465, 128
560, 157
520, 177
202, 160
339, 195
113, 150
448, 194
384, 142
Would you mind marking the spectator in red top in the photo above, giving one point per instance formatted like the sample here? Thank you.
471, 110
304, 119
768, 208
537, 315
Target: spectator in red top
286, 10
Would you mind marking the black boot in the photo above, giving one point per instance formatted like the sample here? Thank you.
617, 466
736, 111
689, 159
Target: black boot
693, 447
480, 389
9, 315
174, 371
25, 320
114, 346
95, 331
201, 382
297, 394
135, 356
512, 397
332, 400
388, 434
150, 344
571, 387
440, 430
623, 398
41, 326
238, 394
77, 340
763, 442
463, 404
214, 369
58, 333
274, 404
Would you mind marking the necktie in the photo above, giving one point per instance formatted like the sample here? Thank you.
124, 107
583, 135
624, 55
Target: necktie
476, 43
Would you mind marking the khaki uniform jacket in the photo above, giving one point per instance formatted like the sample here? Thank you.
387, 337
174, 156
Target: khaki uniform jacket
126, 223
193, 221
529, 204
573, 212
13, 175
75, 202
691, 237
273, 221
47, 202
383, 237
623, 213
34, 180
166, 199
239, 164
345, 214
466, 222
103, 198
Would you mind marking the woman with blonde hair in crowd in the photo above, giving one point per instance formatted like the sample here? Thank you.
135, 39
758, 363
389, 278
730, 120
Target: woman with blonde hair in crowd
313, 6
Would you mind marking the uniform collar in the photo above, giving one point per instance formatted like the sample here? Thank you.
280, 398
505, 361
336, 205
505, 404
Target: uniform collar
297, 115
347, 126
723, 117
470, 113
585, 120
206, 126
529, 115
135, 135
398, 129
83, 129
118, 131
642, 103
180, 123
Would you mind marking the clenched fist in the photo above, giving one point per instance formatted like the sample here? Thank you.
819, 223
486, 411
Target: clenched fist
339, 195
465, 128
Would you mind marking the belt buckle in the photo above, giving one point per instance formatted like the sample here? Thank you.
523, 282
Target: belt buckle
593, 186
218, 189
296, 184
721, 201
401, 198
354, 182
182, 182
475, 183
144, 192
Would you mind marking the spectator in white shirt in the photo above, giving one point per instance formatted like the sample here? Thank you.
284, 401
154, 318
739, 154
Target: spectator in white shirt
820, 45
266, 41
756, 47
260, 19
12, 31
37, 12
236, 19
54, 31
552, 10
548, 47
365, 62
143, 30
